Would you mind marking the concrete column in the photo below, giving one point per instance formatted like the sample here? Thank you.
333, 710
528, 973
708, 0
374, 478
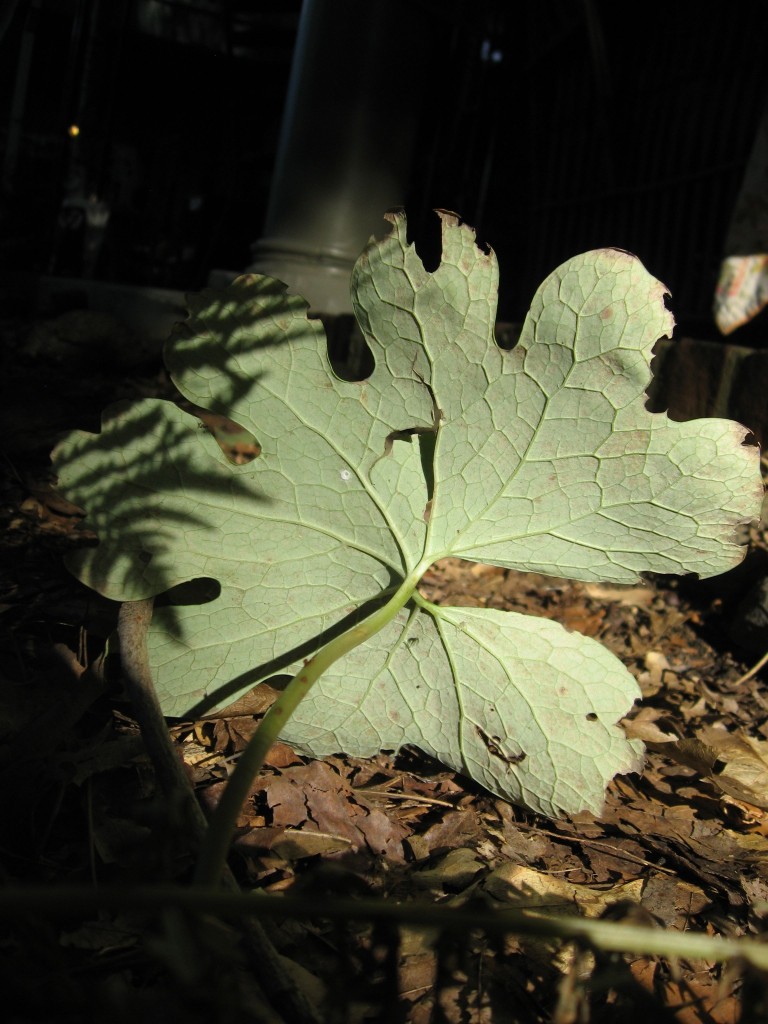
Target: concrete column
346, 143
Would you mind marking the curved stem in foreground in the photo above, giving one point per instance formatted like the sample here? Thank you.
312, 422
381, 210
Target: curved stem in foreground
48, 902
215, 846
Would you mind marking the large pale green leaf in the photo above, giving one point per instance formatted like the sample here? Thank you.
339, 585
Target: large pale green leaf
543, 458
524, 707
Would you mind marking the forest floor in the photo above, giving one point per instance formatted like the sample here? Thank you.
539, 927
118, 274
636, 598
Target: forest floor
684, 846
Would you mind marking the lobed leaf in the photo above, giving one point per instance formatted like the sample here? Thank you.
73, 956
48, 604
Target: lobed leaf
543, 458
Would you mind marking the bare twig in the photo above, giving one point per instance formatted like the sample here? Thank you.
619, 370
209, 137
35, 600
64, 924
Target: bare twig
415, 798
132, 624
752, 672
269, 965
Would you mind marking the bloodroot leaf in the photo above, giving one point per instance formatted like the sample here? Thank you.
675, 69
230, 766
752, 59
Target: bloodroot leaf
543, 458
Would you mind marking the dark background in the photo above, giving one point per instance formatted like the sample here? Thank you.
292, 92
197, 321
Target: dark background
552, 127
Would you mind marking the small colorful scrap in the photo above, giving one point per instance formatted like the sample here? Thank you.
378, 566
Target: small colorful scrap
742, 291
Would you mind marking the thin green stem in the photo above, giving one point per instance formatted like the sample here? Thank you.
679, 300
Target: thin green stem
428, 606
54, 902
215, 846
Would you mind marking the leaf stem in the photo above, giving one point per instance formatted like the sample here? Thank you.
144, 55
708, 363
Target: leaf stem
54, 902
428, 606
215, 846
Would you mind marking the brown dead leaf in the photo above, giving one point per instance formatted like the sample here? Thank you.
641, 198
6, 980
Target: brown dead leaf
740, 768
581, 619
652, 680
418, 967
287, 802
280, 755
254, 702
456, 828
56, 503
693, 995
524, 887
697, 849
734, 762
514, 885
453, 871
691, 710
672, 901
631, 596
698, 996
651, 726
294, 844
234, 734
315, 798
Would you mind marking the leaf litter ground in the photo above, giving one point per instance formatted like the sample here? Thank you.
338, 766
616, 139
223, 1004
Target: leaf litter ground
675, 846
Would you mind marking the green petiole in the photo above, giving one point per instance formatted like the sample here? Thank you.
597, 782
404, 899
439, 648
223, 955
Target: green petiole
218, 838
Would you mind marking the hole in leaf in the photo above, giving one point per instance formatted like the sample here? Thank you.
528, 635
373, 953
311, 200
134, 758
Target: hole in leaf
508, 335
238, 444
751, 440
494, 748
426, 237
348, 353
591, 717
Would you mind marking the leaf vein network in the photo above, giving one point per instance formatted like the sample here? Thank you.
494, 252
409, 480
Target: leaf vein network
369, 490
505, 484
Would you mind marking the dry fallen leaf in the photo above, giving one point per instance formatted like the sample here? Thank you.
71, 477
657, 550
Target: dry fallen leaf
735, 763
524, 887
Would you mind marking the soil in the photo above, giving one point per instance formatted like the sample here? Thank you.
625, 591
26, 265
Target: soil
683, 846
